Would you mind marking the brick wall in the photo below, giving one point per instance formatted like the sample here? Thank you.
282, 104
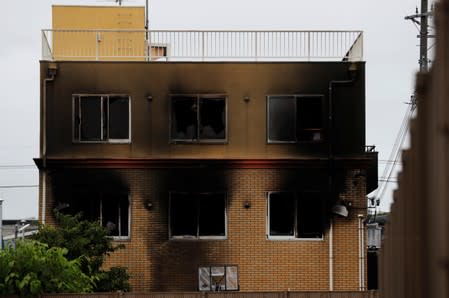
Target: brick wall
159, 264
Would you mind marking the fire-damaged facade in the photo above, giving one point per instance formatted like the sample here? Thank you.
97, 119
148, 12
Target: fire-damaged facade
216, 175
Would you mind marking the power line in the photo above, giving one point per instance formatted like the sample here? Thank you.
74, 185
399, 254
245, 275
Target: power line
13, 167
19, 186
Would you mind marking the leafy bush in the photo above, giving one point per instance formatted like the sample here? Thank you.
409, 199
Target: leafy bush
88, 242
116, 279
33, 268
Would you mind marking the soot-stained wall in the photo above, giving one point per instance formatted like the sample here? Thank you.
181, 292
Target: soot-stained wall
150, 85
159, 263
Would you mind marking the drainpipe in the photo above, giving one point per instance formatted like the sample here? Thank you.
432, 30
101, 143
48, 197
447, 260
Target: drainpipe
331, 257
51, 73
361, 252
330, 156
361, 231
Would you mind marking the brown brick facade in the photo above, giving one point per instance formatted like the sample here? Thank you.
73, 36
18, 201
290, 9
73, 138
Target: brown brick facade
159, 264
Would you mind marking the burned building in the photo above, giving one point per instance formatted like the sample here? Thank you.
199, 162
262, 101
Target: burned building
219, 161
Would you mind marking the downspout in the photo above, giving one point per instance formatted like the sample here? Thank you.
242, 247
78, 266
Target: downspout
331, 257
361, 253
50, 78
330, 156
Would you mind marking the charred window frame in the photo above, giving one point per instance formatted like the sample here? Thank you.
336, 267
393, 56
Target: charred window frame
198, 118
194, 216
101, 118
292, 215
112, 210
295, 118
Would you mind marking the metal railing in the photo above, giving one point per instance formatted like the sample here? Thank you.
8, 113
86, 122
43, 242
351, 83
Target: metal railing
165, 45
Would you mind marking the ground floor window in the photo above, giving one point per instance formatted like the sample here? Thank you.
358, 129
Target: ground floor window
110, 209
295, 215
197, 215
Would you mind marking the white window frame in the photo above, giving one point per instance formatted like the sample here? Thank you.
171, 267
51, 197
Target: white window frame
198, 237
296, 97
76, 125
198, 96
118, 238
295, 227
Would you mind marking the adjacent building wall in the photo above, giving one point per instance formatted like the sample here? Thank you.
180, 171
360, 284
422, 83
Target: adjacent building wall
415, 257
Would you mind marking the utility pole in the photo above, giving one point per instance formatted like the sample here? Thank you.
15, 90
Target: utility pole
422, 19
423, 60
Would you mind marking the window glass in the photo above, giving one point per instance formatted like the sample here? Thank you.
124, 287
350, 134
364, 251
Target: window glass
100, 118
310, 216
91, 118
211, 215
294, 215
310, 118
198, 118
183, 215
282, 214
295, 118
281, 118
184, 118
118, 117
111, 210
212, 118
196, 215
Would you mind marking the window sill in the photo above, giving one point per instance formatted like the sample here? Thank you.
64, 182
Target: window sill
102, 142
208, 238
288, 238
196, 142
120, 238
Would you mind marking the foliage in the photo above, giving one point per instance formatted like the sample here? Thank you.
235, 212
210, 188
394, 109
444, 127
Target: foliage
116, 279
33, 268
88, 242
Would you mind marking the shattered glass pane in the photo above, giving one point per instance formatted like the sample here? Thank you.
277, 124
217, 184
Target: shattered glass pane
212, 118
184, 118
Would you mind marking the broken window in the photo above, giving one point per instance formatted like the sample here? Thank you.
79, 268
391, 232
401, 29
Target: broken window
110, 209
295, 118
218, 278
101, 118
197, 215
293, 215
198, 118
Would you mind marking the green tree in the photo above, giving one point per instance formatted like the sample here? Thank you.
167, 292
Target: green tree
33, 268
89, 243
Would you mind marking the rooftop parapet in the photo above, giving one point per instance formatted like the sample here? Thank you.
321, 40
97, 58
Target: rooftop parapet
192, 45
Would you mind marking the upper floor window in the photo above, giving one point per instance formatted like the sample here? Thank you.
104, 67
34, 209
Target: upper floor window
294, 118
295, 215
101, 118
197, 215
198, 118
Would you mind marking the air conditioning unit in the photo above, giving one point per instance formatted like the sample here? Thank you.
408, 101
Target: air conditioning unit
218, 278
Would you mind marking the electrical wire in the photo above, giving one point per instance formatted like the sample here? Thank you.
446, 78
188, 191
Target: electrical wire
392, 160
19, 186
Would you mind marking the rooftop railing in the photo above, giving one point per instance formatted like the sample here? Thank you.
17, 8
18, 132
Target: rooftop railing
191, 45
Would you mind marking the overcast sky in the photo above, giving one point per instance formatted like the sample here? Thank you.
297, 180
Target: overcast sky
390, 50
